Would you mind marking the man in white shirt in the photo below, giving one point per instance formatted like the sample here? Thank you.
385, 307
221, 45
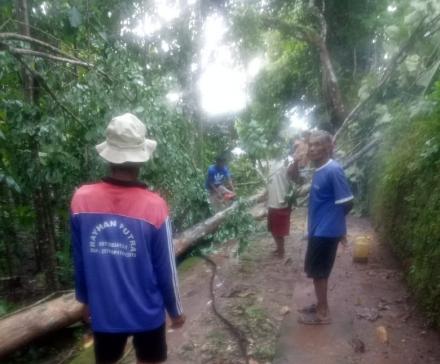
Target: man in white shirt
278, 217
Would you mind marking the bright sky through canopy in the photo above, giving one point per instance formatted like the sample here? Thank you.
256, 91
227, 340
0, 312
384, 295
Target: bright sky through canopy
298, 119
223, 82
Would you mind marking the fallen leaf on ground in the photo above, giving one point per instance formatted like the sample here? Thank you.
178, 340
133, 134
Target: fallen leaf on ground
370, 314
245, 294
382, 306
382, 334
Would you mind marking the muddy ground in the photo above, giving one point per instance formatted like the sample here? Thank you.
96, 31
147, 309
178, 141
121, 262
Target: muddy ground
375, 319
260, 294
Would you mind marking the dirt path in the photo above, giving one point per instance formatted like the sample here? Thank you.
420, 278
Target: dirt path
255, 292
362, 297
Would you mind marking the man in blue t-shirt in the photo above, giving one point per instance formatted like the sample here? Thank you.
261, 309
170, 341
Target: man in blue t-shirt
330, 201
219, 183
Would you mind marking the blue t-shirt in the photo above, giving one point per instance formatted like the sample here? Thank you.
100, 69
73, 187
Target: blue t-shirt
328, 192
217, 176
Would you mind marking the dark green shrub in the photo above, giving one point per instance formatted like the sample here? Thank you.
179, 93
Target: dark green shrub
407, 203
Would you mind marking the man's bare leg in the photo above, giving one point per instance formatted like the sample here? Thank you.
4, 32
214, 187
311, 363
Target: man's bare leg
322, 310
279, 241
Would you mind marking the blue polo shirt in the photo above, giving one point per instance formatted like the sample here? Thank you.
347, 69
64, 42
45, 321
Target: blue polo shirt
217, 176
328, 192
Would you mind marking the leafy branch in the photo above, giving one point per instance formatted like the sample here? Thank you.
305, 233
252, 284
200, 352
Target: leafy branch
41, 81
396, 60
28, 39
59, 56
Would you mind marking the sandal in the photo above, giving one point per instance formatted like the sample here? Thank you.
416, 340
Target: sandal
308, 309
277, 254
313, 319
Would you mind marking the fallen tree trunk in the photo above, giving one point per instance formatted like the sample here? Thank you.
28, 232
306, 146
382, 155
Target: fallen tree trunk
21, 328
189, 237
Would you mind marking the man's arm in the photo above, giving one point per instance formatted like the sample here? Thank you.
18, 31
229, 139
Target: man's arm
229, 184
348, 206
210, 181
212, 187
228, 177
293, 172
341, 189
164, 263
343, 194
80, 278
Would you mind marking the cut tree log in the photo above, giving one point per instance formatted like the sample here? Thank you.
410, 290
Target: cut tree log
30, 323
20, 329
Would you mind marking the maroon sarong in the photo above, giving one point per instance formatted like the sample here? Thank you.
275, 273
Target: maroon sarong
278, 221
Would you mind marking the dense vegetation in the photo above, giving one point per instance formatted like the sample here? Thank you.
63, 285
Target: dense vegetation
364, 69
407, 201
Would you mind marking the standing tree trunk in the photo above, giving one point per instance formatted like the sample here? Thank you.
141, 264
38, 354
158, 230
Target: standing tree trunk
41, 197
8, 233
330, 88
330, 84
318, 39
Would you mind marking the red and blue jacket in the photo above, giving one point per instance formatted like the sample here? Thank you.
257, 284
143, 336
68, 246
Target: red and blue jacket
125, 268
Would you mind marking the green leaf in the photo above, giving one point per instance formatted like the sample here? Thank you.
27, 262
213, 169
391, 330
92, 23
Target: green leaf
75, 18
10, 182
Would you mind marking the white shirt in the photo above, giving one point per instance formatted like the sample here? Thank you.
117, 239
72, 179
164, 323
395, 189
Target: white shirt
278, 185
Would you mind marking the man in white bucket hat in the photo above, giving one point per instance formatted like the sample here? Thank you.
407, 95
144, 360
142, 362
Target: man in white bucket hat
125, 271
126, 142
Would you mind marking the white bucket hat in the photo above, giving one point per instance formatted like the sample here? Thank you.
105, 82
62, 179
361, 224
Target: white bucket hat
125, 141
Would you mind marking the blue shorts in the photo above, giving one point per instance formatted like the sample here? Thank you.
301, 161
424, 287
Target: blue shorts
320, 256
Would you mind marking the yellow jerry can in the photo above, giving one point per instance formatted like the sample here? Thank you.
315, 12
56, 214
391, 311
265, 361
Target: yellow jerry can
361, 249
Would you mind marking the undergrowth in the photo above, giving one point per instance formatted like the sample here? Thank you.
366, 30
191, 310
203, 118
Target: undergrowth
407, 203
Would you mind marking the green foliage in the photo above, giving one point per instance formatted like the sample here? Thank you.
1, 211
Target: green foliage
238, 225
50, 149
244, 175
5, 307
407, 202
287, 79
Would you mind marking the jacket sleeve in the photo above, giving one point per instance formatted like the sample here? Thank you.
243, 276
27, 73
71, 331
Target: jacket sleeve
80, 279
164, 263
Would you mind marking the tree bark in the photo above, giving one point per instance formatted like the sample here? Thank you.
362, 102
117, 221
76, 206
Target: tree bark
330, 88
20, 329
189, 237
329, 81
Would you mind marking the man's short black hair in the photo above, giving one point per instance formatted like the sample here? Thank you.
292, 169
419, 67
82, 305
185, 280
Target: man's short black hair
221, 158
125, 166
324, 136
